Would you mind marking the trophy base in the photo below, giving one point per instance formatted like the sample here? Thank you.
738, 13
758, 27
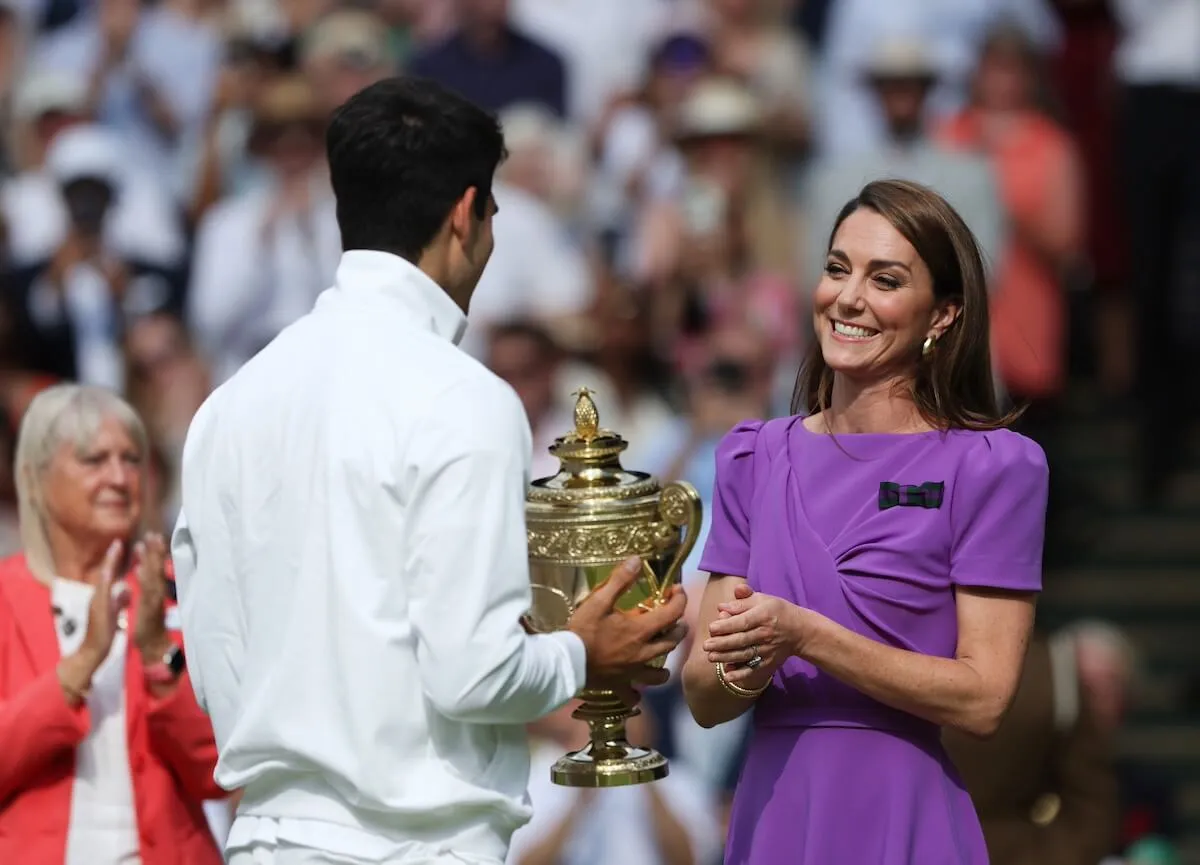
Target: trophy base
630, 765
608, 760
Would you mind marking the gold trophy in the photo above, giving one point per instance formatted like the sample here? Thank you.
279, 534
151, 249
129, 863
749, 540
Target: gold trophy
582, 522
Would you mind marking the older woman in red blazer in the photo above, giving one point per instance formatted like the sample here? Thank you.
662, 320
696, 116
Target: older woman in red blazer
105, 757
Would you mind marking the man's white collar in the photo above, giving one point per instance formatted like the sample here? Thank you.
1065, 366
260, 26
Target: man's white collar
371, 270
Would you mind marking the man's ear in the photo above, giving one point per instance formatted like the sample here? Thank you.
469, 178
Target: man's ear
462, 217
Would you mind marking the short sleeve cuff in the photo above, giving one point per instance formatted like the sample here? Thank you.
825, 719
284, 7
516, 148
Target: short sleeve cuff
1005, 576
718, 559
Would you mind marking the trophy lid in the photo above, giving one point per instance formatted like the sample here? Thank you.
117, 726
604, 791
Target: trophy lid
590, 460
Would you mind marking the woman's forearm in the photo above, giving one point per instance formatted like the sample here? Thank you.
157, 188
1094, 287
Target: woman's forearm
709, 702
945, 691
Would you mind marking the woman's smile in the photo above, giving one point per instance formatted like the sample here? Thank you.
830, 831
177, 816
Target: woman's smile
844, 331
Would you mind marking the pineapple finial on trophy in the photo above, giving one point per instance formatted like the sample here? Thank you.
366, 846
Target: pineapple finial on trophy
587, 419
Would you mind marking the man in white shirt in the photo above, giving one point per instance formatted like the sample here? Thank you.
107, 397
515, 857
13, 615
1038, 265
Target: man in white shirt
351, 553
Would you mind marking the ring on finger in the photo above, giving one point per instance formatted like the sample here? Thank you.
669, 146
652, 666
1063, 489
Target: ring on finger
755, 658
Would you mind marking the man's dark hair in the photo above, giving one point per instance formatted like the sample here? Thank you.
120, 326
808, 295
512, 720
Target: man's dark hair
401, 154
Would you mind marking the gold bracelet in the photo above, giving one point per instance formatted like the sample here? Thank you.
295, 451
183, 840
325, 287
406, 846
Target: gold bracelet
738, 690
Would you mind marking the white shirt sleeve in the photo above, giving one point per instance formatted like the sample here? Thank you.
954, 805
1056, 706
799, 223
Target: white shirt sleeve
468, 570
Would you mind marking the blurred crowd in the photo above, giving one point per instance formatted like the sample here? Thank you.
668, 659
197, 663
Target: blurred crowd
674, 169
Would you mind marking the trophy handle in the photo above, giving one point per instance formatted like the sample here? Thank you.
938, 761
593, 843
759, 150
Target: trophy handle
681, 507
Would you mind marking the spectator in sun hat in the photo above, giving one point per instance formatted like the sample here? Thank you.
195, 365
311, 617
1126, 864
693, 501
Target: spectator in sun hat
847, 119
344, 52
901, 75
71, 304
258, 50
722, 247
752, 42
150, 73
636, 158
263, 255
142, 224
87, 152
546, 158
43, 103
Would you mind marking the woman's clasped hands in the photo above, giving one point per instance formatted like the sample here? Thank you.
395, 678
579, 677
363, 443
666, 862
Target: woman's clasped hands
754, 625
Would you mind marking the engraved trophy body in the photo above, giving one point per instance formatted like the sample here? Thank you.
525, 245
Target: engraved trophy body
581, 523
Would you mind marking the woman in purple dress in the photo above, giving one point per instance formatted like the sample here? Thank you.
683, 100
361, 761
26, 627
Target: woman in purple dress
874, 559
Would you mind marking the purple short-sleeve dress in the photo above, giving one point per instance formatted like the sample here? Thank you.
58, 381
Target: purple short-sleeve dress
874, 532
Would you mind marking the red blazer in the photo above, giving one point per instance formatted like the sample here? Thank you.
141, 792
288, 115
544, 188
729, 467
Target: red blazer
171, 748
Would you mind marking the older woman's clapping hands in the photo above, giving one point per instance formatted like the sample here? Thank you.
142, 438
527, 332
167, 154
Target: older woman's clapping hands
76, 670
149, 629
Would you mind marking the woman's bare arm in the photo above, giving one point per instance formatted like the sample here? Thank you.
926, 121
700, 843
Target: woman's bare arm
710, 703
970, 692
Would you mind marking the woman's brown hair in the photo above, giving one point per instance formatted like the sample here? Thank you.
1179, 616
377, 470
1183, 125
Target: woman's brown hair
953, 386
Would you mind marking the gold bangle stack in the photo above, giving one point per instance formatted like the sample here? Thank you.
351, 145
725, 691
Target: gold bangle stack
738, 690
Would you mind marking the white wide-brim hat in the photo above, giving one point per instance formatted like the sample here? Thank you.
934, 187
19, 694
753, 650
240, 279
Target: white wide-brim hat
86, 152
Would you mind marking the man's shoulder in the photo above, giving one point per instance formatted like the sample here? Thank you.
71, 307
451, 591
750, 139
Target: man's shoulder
416, 376
464, 391
414, 380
